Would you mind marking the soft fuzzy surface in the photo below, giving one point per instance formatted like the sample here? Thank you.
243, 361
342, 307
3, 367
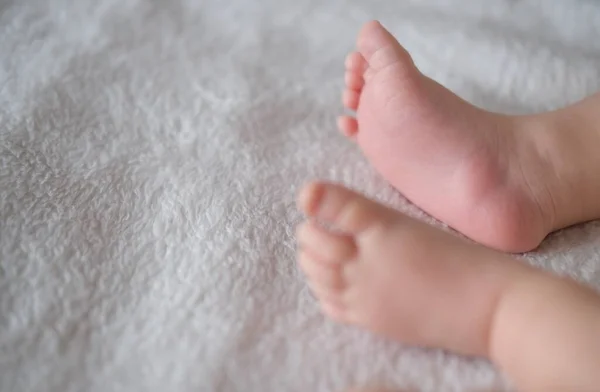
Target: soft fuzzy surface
150, 152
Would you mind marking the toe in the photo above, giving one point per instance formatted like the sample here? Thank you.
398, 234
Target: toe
321, 275
379, 48
356, 63
344, 209
330, 247
350, 99
354, 81
348, 126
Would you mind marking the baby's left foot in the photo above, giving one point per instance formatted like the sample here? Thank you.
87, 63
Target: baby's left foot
503, 181
396, 276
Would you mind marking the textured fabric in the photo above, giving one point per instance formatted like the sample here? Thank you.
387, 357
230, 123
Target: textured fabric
150, 152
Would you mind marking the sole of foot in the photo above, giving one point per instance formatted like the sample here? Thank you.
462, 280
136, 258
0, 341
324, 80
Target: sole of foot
492, 177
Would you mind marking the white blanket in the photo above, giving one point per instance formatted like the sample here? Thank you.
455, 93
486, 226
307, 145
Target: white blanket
150, 152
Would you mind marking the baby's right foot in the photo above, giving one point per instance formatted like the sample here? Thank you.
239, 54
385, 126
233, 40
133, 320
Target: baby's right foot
396, 276
378, 269
505, 182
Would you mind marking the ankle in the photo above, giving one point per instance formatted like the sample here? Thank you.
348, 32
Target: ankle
565, 148
531, 316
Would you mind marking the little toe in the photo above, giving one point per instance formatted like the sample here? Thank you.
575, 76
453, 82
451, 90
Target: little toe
348, 126
354, 81
330, 247
344, 209
350, 99
355, 62
320, 274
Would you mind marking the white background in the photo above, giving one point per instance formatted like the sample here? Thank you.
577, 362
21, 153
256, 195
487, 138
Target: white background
150, 152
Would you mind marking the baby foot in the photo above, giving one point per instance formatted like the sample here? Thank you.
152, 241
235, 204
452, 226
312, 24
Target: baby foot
395, 276
378, 269
477, 171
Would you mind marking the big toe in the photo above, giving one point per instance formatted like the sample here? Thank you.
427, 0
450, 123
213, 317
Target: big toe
379, 48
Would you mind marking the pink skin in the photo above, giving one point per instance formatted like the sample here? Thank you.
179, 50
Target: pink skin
380, 270
506, 181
